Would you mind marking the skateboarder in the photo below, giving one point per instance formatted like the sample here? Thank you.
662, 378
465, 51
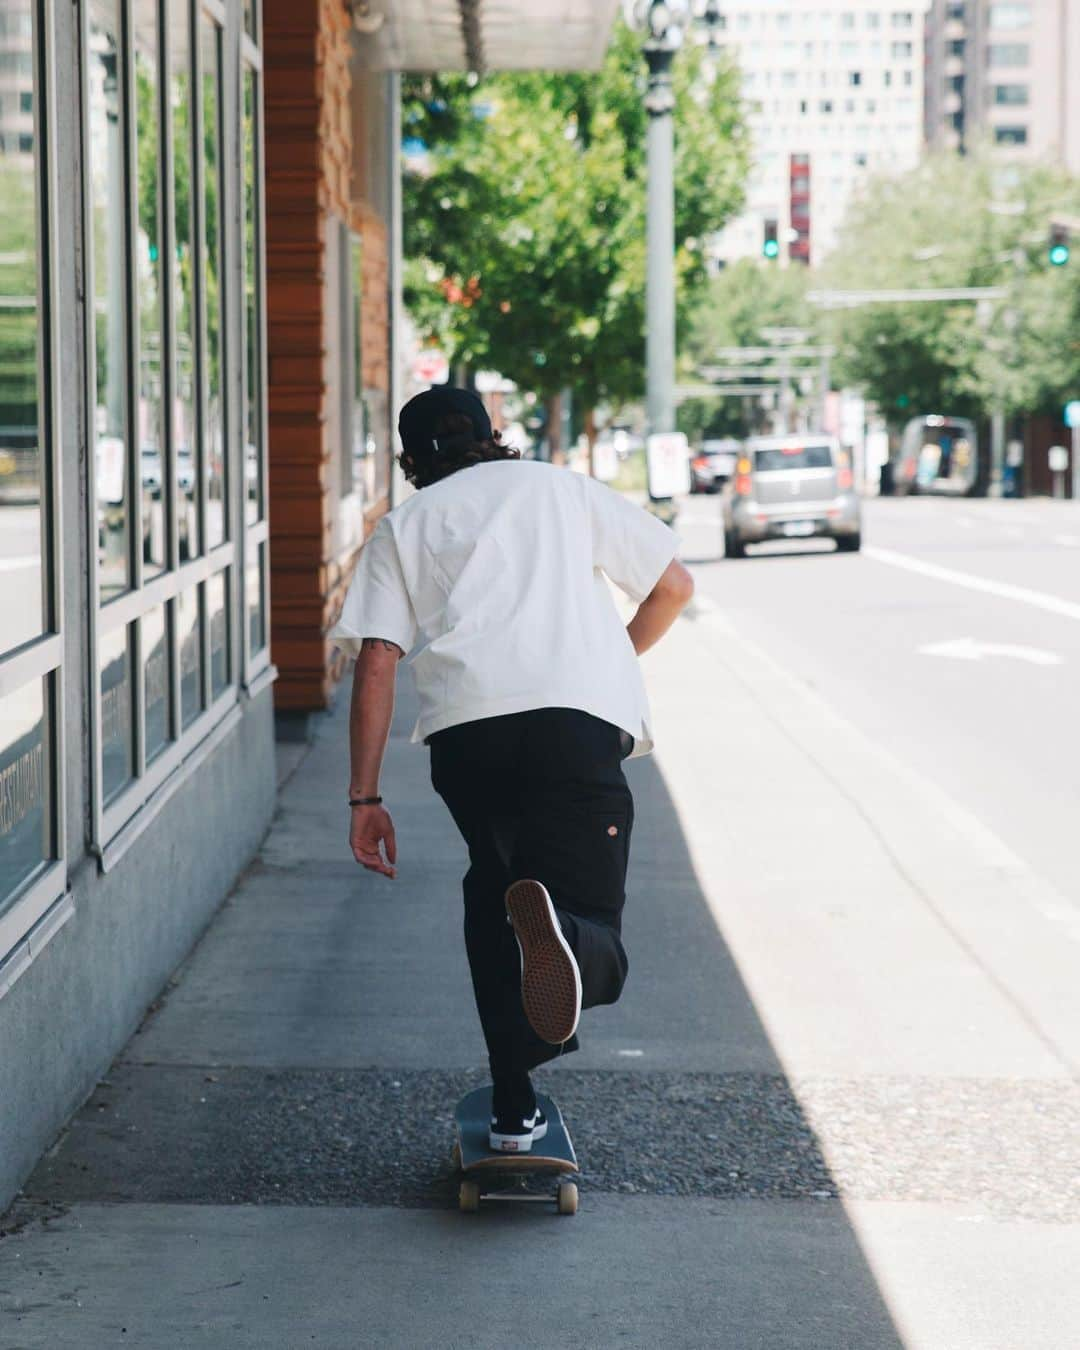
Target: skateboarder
530, 698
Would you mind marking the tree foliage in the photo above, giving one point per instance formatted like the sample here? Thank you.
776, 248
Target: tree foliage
733, 310
525, 215
955, 222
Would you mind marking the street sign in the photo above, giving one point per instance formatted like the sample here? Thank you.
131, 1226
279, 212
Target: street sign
605, 461
1072, 413
1058, 458
430, 366
667, 456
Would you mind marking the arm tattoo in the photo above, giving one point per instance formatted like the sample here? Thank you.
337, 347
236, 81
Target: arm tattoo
369, 645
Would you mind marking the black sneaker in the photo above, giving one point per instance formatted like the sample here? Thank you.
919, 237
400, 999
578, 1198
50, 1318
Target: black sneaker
516, 1134
550, 979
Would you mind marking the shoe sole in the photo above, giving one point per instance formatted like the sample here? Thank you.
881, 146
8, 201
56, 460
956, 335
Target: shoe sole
550, 980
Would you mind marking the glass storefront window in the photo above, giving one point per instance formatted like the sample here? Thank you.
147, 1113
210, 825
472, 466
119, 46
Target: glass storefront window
156, 681
183, 284
117, 741
152, 475
189, 638
253, 495
106, 190
22, 593
214, 432
256, 616
217, 592
26, 833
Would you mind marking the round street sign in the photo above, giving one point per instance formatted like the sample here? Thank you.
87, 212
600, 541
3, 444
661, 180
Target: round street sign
1072, 413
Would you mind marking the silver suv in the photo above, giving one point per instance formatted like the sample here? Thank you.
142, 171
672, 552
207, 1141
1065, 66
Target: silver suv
791, 487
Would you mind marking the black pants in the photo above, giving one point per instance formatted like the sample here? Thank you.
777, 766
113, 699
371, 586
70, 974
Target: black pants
538, 795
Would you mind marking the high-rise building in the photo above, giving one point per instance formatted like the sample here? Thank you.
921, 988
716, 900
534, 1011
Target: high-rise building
834, 90
1004, 73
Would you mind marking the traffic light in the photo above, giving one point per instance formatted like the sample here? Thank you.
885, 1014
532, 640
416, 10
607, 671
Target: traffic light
770, 245
1058, 252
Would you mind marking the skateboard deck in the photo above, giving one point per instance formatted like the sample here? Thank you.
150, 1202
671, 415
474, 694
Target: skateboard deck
486, 1174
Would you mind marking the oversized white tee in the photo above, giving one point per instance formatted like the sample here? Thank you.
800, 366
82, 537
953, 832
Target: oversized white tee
496, 576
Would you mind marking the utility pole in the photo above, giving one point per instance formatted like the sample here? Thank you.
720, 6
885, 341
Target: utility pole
665, 37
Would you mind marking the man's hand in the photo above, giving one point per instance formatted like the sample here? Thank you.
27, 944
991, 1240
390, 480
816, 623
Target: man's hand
370, 827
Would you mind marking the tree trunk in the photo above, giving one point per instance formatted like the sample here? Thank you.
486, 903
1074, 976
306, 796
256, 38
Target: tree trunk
590, 436
554, 430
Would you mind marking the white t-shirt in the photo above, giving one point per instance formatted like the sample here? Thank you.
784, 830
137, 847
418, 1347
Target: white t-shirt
496, 575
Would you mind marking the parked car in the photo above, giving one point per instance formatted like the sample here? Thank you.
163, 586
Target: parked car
791, 487
714, 464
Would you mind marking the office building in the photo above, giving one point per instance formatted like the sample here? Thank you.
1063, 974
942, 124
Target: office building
834, 93
1002, 73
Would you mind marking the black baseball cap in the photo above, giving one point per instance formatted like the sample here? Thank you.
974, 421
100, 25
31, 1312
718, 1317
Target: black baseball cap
418, 424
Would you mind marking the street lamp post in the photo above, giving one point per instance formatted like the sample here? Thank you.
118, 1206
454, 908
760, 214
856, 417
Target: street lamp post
665, 37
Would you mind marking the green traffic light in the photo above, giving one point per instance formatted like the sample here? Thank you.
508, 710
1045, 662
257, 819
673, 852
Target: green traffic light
770, 248
1059, 255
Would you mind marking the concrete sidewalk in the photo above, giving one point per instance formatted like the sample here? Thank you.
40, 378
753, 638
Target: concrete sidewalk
268, 1162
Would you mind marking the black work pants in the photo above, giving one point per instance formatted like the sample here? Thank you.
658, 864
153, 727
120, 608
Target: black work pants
538, 795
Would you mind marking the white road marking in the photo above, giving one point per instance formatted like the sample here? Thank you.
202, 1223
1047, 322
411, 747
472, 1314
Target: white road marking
965, 522
21, 563
1067, 540
1053, 604
1013, 531
970, 649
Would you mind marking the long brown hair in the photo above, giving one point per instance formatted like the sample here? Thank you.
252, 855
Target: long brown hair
458, 448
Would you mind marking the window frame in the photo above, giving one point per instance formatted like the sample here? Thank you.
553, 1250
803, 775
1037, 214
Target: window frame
28, 907
115, 822
257, 670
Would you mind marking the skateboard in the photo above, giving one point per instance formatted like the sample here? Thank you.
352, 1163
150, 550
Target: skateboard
504, 1176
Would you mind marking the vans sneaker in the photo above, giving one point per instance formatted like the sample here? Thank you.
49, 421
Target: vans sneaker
550, 979
516, 1134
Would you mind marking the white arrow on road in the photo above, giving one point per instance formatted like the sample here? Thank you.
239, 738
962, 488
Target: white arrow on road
970, 649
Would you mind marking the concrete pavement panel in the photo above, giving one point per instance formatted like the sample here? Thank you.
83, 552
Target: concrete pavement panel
638, 1272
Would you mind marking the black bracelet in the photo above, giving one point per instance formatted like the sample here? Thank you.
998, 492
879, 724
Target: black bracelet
365, 801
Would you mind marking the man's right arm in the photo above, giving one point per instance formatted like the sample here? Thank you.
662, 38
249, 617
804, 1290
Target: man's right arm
661, 607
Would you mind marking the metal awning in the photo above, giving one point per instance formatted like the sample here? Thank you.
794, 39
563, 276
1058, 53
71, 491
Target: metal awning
480, 35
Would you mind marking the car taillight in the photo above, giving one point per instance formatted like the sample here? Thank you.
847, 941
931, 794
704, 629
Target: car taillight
701, 462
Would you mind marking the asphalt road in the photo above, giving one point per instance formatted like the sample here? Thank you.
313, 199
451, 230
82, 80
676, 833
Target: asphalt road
897, 639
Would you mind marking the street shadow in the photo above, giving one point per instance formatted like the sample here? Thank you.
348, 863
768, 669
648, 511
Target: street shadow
677, 1092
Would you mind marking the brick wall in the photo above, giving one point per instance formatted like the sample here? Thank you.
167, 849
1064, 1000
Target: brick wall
309, 157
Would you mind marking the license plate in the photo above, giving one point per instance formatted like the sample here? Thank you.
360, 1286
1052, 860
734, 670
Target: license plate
797, 529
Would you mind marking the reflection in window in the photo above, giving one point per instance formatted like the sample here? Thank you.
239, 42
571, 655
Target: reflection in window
214, 430
155, 649
216, 594
189, 637
183, 282
26, 839
253, 503
106, 175
148, 288
21, 454
117, 745
256, 616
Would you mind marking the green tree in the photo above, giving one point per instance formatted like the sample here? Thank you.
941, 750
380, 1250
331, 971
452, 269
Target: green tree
953, 222
525, 219
733, 310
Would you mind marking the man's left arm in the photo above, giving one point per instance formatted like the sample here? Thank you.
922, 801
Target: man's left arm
371, 831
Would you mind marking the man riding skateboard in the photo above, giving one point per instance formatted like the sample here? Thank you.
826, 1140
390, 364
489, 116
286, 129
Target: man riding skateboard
530, 698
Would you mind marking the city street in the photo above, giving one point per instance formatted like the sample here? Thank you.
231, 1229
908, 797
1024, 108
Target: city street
836, 1107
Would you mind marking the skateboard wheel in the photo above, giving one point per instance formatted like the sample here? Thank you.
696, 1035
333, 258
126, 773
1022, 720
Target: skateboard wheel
567, 1197
469, 1197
